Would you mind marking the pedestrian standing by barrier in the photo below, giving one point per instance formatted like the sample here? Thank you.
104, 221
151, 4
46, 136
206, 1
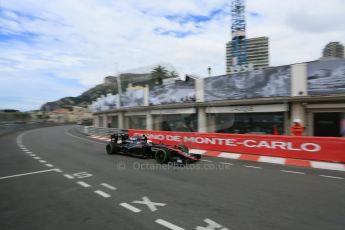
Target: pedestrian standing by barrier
275, 130
297, 128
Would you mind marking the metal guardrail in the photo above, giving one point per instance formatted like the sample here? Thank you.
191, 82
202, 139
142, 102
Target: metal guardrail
99, 131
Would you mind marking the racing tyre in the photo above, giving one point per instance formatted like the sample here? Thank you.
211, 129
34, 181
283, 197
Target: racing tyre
162, 156
112, 148
183, 148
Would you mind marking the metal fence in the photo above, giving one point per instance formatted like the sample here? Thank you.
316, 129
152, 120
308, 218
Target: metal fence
98, 131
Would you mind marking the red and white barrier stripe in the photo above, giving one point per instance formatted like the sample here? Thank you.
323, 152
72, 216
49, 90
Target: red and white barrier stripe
259, 158
273, 160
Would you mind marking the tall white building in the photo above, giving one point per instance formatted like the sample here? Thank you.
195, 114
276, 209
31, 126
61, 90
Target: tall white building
257, 53
333, 49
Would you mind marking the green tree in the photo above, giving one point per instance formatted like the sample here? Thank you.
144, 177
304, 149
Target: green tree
159, 73
173, 74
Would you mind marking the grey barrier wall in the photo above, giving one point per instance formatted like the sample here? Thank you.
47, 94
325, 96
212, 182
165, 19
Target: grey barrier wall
98, 131
326, 77
271, 82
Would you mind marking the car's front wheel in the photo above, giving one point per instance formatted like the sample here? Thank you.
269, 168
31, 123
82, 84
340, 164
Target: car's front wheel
112, 148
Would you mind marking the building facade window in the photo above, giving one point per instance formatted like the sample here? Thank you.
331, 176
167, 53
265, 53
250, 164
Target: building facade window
176, 122
137, 122
247, 123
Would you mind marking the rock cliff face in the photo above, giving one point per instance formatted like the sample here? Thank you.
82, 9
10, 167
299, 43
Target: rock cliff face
110, 85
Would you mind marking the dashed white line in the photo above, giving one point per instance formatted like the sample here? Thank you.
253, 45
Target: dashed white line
226, 163
130, 207
101, 193
68, 176
24, 174
58, 170
254, 167
49, 165
85, 185
32, 155
168, 224
42, 161
37, 158
206, 160
334, 177
108, 186
294, 172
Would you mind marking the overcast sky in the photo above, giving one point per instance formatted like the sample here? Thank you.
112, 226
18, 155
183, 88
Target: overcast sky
53, 49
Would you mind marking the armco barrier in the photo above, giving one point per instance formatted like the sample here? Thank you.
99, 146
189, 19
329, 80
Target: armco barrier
300, 147
99, 131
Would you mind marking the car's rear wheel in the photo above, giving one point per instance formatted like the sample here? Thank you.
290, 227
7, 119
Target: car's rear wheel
162, 156
183, 148
112, 148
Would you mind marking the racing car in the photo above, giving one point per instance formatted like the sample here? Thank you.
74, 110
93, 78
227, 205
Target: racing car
140, 146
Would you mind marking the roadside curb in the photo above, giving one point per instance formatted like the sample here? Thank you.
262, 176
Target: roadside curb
273, 160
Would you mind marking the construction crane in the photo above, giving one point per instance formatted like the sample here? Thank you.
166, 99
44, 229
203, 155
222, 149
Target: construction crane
238, 32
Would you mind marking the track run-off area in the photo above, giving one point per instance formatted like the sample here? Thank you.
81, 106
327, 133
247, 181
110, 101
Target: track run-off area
57, 178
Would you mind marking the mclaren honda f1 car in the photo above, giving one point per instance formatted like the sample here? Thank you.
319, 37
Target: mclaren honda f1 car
139, 146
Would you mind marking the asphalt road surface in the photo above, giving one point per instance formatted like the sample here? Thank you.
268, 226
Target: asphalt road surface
56, 178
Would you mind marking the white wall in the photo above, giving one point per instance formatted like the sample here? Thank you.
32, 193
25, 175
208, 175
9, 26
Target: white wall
299, 80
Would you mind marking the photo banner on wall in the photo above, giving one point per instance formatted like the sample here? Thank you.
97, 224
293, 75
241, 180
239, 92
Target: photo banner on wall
172, 93
271, 82
326, 77
132, 98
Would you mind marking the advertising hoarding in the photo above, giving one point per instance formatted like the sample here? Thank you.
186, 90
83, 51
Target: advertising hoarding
326, 77
271, 82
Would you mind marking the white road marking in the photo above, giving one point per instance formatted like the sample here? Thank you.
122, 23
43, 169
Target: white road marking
42, 161
32, 155
212, 225
130, 207
108, 186
81, 175
68, 176
28, 152
69, 134
254, 167
101, 193
151, 205
226, 163
49, 165
24, 174
59, 170
168, 224
287, 171
85, 185
37, 158
334, 177
206, 160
